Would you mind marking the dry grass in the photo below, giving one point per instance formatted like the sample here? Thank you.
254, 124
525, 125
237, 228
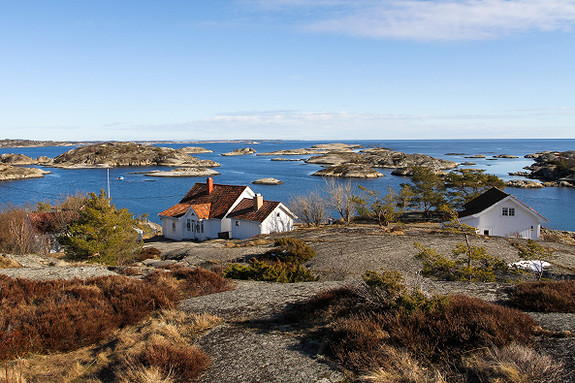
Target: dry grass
113, 361
514, 363
7, 262
250, 243
404, 369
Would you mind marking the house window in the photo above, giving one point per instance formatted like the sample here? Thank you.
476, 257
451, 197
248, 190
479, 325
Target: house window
188, 225
173, 226
278, 214
508, 211
237, 223
202, 226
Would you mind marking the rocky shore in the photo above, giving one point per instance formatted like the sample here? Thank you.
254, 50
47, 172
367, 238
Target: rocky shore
557, 167
240, 152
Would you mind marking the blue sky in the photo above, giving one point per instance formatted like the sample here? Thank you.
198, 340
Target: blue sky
291, 69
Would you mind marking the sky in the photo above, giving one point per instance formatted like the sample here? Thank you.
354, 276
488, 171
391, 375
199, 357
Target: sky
286, 69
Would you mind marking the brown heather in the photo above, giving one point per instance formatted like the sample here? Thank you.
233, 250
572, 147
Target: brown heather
58, 315
544, 296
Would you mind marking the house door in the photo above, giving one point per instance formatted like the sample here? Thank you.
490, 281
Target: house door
486, 232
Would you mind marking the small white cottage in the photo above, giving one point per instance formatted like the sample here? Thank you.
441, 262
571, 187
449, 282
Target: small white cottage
500, 214
211, 210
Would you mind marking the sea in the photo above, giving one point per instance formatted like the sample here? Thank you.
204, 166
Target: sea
150, 195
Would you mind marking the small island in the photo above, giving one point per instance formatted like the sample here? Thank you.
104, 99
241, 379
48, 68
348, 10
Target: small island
240, 152
267, 181
349, 171
117, 154
10, 173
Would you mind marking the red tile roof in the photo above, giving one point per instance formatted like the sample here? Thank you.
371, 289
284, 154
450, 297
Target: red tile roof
213, 205
245, 210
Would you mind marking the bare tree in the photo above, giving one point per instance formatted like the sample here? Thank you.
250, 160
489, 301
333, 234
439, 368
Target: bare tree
309, 208
340, 197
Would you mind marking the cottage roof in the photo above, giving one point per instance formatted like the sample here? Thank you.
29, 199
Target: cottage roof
490, 198
207, 205
245, 210
482, 202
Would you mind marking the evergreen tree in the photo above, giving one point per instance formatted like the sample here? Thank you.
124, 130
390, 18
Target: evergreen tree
428, 189
466, 184
102, 233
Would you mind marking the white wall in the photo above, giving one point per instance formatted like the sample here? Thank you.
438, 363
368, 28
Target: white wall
497, 224
168, 231
278, 221
227, 222
245, 229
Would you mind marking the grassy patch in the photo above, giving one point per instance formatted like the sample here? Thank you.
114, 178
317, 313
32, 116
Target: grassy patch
548, 296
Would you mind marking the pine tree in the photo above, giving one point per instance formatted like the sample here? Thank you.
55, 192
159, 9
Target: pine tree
102, 234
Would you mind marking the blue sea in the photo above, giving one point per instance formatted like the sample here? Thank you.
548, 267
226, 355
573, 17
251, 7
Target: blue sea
141, 194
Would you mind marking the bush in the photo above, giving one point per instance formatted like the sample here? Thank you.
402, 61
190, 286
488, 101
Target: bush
544, 296
468, 263
439, 336
291, 250
270, 272
184, 362
59, 315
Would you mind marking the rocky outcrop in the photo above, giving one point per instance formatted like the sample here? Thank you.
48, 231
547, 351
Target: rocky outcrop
524, 184
116, 154
468, 163
16, 159
294, 152
240, 152
390, 159
349, 171
337, 158
8, 143
475, 156
267, 181
44, 160
195, 150
287, 159
520, 174
505, 156
9, 173
183, 172
337, 146
553, 166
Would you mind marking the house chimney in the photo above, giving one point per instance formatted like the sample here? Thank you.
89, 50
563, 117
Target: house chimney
258, 202
210, 183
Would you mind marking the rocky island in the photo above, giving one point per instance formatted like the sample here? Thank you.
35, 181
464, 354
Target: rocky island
183, 172
196, 150
349, 171
9, 173
240, 152
555, 167
116, 154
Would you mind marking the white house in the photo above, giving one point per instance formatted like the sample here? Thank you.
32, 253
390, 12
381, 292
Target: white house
211, 210
500, 214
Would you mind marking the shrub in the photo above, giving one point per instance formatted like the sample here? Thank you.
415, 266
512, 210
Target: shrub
544, 296
468, 263
439, 336
58, 315
184, 362
270, 272
291, 250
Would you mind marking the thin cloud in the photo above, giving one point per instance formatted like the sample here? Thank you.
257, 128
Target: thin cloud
424, 20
